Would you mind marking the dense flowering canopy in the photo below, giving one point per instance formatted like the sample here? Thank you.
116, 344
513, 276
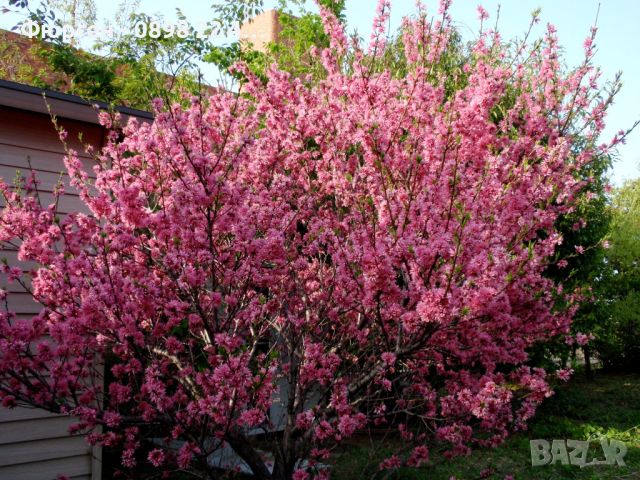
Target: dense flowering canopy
367, 248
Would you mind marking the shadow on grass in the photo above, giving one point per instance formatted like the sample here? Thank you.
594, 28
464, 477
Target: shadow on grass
607, 406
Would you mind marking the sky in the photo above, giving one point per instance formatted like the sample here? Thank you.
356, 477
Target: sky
618, 41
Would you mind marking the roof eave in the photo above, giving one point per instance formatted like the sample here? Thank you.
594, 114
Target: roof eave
64, 105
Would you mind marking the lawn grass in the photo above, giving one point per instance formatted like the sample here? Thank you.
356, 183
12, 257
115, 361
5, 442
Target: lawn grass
607, 406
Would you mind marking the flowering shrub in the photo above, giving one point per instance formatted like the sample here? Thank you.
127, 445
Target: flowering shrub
369, 248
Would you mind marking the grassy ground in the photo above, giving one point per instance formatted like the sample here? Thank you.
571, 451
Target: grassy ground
607, 406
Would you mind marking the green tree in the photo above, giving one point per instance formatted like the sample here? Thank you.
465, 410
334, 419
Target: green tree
586, 227
300, 30
79, 14
618, 333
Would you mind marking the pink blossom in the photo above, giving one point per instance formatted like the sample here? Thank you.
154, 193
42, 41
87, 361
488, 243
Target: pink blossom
111, 419
128, 458
304, 420
564, 374
419, 456
482, 13
156, 457
300, 475
186, 453
582, 339
390, 463
388, 358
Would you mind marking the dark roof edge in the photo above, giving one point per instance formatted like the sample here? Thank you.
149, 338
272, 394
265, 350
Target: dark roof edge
66, 97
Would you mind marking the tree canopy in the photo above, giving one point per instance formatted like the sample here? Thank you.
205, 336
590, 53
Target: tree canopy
372, 248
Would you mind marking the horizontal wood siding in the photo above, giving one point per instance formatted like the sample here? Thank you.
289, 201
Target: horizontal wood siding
22, 452
78, 466
34, 444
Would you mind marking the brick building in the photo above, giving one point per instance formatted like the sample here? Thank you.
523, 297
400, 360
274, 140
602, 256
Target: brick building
261, 30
